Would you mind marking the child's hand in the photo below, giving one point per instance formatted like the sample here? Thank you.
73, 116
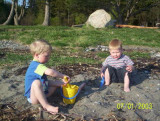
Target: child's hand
129, 68
66, 79
102, 75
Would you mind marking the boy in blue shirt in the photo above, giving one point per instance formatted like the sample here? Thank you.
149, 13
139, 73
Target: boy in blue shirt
37, 87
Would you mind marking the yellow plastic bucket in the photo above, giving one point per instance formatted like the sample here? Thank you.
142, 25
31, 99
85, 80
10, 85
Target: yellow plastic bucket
70, 91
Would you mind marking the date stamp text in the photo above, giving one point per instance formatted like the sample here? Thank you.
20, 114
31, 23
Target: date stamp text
134, 106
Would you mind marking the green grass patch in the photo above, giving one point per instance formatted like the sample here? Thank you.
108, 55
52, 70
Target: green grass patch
14, 59
64, 60
132, 55
135, 55
71, 38
81, 37
103, 54
17, 59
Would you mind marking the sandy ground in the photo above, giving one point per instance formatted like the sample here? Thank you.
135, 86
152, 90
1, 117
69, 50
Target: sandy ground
111, 102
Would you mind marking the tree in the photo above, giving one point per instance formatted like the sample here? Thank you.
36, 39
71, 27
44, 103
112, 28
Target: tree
14, 13
16, 17
46, 21
10, 17
4, 10
35, 12
69, 5
122, 10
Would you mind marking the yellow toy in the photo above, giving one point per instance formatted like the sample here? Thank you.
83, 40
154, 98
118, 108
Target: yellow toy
70, 92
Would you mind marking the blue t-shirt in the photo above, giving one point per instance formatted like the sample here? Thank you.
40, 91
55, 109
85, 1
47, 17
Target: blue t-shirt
35, 71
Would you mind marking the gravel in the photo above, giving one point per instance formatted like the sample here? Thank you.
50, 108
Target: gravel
12, 45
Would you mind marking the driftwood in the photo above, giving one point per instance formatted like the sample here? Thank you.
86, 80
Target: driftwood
131, 26
79, 25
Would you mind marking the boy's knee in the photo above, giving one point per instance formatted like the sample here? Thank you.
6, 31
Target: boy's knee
37, 83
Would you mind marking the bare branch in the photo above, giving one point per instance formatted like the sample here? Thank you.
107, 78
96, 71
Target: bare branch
22, 10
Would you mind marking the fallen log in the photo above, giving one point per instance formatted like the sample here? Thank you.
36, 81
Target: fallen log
79, 25
132, 26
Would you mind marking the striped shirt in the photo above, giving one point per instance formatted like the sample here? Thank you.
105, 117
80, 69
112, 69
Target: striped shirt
118, 63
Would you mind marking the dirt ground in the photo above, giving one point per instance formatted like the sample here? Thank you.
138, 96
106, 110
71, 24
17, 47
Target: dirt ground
92, 103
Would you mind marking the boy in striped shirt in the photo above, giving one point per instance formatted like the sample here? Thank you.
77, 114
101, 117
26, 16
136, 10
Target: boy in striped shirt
116, 66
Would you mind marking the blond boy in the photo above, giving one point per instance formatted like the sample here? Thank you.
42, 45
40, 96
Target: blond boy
116, 67
37, 86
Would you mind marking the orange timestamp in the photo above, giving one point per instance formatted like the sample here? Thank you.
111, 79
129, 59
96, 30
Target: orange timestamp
134, 106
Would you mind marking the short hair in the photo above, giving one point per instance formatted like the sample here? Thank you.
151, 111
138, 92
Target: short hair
40, 46
115, 44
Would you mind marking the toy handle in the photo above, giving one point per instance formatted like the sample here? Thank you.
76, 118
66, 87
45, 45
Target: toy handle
69, 97
66, 80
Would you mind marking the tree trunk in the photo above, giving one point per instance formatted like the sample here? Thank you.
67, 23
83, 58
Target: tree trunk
120, 17
16, 17
10, 17
46, 21
16, 22
68, 16
22, 10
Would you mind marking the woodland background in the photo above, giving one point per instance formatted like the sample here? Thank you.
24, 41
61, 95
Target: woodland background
71, 12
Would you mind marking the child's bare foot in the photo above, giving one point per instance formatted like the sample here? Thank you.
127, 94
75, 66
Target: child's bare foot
106, 84
81, 86
127, 90
51, 109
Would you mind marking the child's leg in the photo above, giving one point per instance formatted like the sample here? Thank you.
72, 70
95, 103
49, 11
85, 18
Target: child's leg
107, 77
126, 82
52, 86
82, 86
37, 96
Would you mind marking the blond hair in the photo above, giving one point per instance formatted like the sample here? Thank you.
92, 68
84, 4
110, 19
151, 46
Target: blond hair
115, 44
39, 47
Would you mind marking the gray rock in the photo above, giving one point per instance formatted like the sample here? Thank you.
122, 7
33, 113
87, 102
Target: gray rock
102, 48
99, 19
98, 48
90, 49
155, 55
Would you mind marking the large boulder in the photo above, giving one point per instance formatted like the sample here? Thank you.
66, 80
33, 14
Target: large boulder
100, 19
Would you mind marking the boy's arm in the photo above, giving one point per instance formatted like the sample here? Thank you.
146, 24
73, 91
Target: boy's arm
102, 69
104, 64
129, 66
53, 73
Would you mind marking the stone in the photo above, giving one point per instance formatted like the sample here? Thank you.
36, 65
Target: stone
155, 55
99, 19
157, 24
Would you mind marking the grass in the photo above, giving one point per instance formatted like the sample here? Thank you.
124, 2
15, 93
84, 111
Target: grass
76, 40
60, 60
11, 59
14, 59
136, 54
80, 37
132, 55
